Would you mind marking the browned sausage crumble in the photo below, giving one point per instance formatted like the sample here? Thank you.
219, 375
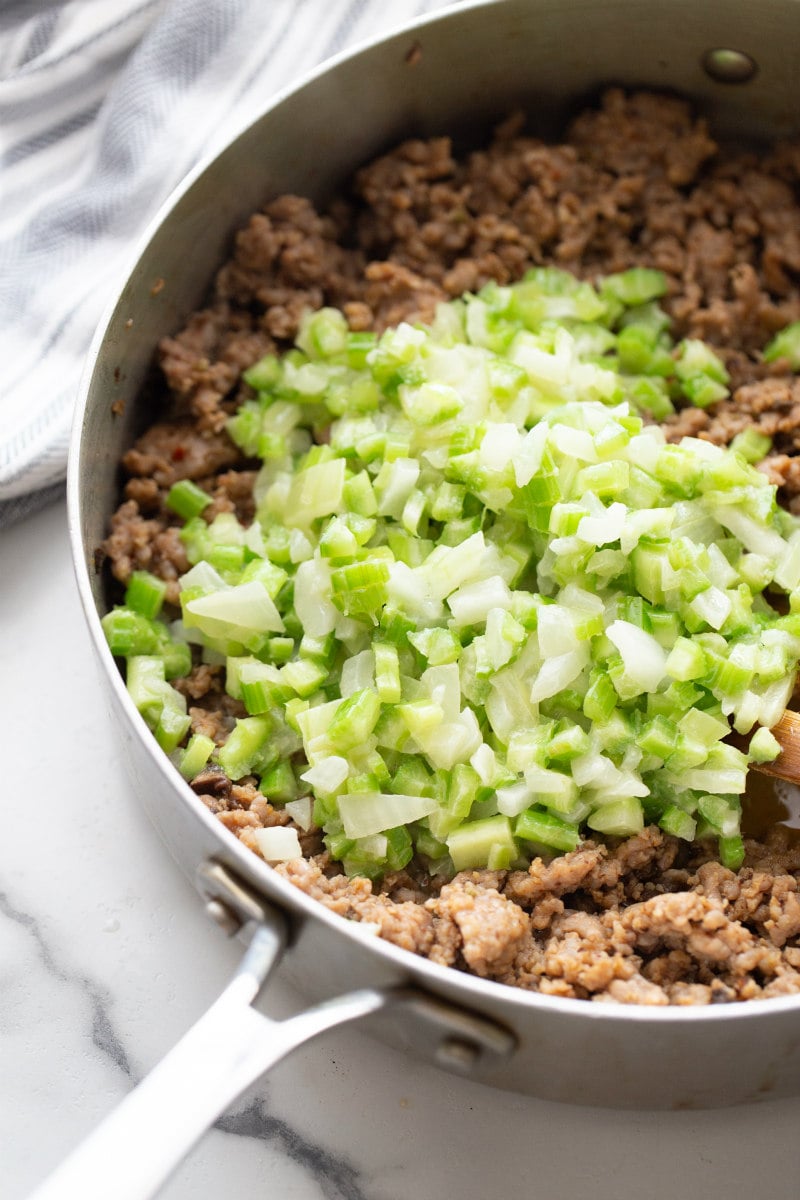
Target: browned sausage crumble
638, 181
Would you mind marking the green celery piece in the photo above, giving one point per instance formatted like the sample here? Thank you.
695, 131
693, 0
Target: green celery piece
568, 743
472, 844
687, 752
439, 646
752, 445
278, 784
145, 593
785, 344
263, 374
636, 286
176, 656
273, 577
605, 479
686, 661
680, 824
764, 746
642, 352
650, 395
304, 676
338, 844
198, 750
462, 791
375, 764
245, 428
186, 499
354, 720
337, 541
129, 633
620, 818
321, 648
358, 344
360, 589
426, 844
147, 686
323, 334
448, 501
172, 727
278, 649
731, 851
359, 495
387, 672
412, 777
721, 812
225, 558
694, 358
546, 829
246, 748
395, 626
162, 707
659, 737
678, 468
400, 848
392, 733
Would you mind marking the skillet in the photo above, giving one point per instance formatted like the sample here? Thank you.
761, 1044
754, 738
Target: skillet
455, 72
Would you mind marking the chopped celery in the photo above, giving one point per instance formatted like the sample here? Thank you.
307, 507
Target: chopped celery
186, 499
198, 750
751, 444
278, 784
546, 829
764, 746
636, 286
162, 707
731, 851
785, 344
678, 822
145, 593
474, 843
620, 818
483, 606
246, 748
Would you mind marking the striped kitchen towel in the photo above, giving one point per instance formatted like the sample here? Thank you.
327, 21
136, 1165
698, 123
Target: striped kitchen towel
104, 107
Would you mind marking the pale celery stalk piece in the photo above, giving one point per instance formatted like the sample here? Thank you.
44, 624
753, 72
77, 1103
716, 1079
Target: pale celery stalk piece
483, 604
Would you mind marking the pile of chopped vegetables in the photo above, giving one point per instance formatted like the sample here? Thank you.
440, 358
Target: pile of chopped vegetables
484, 606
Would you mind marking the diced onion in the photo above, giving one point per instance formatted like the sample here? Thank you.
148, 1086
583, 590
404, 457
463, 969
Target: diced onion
279, 843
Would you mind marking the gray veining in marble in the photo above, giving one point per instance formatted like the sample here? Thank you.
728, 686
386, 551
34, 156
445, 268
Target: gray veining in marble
104, 1036
338, 1179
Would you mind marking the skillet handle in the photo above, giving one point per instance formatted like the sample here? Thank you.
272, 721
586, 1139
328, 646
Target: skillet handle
136, 1149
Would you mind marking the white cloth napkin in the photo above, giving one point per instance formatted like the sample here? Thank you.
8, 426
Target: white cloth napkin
104, 107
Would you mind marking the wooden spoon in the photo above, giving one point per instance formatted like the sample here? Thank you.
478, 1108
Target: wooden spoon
787, 764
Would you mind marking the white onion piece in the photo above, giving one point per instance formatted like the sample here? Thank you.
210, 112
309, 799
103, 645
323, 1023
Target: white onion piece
365, 813
312, 589
301, 812
558, 673
280, 843
328, 774
642, 656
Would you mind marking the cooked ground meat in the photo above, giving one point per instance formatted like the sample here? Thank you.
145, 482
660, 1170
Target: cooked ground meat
638, 181
602, 923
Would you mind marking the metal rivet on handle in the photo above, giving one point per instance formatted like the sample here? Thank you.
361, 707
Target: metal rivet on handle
225, 917
457, 1054
729, 66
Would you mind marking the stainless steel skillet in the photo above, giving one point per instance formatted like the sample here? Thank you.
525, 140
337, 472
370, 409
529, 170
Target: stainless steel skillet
457, 71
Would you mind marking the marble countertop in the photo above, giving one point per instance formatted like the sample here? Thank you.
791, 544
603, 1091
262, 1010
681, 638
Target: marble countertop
106, 957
